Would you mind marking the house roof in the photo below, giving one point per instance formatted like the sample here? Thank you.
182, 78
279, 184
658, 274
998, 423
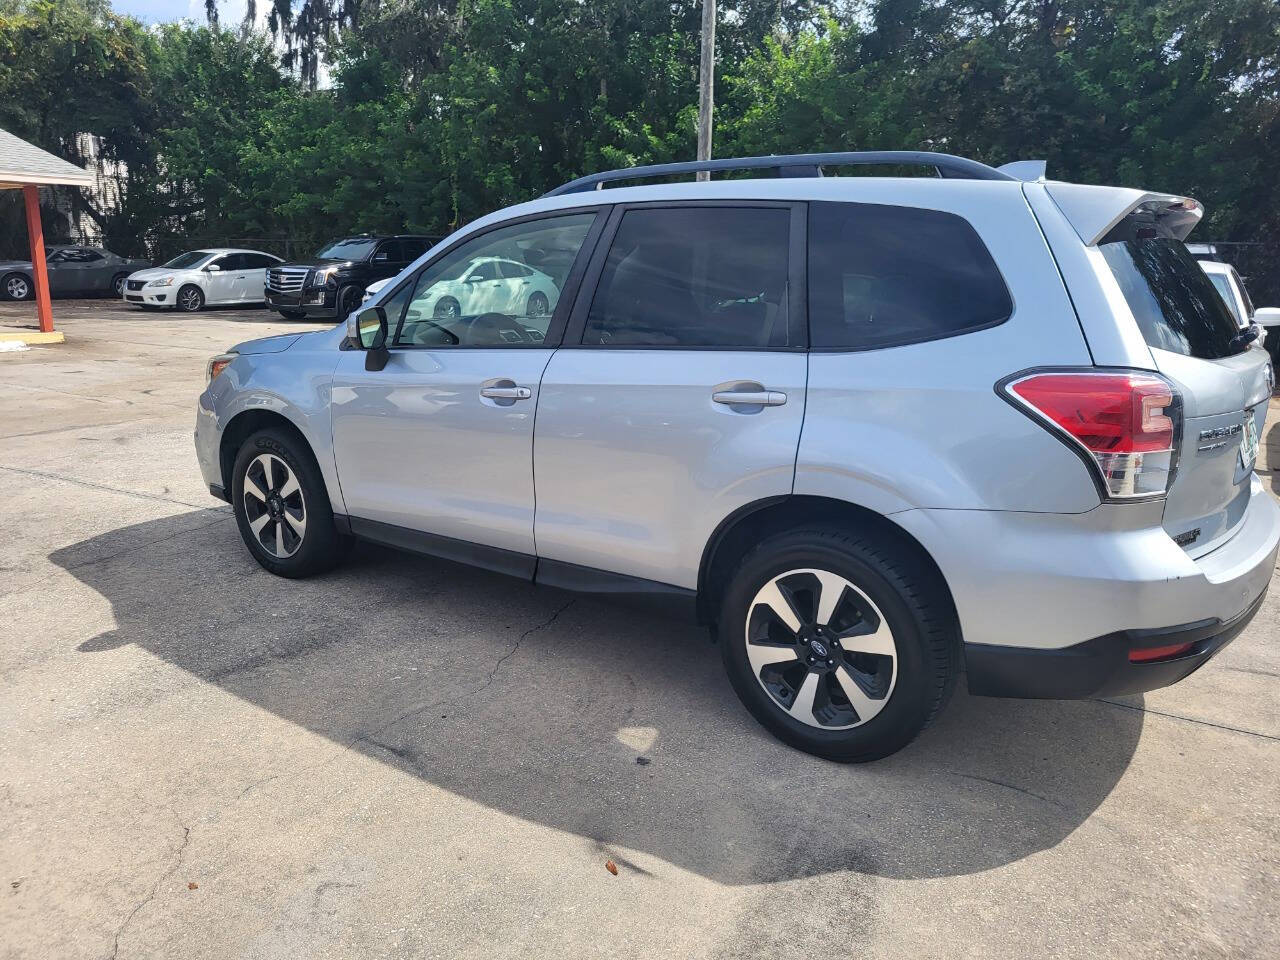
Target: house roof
22, 163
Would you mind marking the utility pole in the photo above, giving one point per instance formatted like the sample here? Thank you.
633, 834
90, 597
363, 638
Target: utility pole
706, 82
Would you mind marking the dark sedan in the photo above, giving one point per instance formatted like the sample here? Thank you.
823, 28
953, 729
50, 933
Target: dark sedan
73, 272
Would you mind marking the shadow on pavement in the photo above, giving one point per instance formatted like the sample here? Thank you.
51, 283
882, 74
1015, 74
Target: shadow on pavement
591, 718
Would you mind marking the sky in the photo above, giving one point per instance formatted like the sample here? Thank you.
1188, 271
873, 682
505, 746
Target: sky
162, 11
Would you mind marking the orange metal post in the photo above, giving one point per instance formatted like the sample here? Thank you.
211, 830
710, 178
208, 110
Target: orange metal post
35, 234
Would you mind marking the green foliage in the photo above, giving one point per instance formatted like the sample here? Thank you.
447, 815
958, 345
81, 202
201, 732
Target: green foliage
433, 112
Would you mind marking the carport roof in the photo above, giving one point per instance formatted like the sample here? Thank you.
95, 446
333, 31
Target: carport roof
22, 163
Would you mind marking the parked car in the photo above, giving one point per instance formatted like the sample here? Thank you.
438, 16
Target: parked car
333, 283
372, 289
1233, 291
876, 432
73, 272
199, 278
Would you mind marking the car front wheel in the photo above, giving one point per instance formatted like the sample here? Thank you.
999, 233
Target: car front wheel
282, 507
840, 644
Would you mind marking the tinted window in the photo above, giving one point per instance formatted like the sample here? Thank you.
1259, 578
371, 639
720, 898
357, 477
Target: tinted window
696, 276
513, 271
1244, 293
881, 276
488, 270
445, 310
413, 249
257, 261
388, 252
1172, 299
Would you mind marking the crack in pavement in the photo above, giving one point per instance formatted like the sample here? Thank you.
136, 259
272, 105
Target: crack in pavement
155, 887
1175, 716
99, 486
370, 736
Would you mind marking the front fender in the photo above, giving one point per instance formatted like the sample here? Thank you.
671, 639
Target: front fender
298, 391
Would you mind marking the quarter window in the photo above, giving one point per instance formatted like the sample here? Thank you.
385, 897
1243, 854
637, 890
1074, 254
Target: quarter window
882, 276
694, 277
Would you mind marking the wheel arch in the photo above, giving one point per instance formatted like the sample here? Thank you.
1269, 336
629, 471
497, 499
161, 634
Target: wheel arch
749, 524
244, 425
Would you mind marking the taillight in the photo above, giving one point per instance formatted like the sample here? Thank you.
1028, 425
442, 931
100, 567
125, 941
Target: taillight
1125, 423
217, 365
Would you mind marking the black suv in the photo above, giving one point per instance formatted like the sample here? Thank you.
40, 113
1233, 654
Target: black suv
332, 285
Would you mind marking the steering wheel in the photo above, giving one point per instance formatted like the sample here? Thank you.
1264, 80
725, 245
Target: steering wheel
500, 321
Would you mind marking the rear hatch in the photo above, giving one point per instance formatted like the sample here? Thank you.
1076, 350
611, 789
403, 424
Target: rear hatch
1223, 379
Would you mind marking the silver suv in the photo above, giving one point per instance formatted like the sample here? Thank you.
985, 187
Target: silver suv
873, 430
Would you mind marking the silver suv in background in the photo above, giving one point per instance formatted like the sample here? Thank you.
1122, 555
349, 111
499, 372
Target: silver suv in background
875, 431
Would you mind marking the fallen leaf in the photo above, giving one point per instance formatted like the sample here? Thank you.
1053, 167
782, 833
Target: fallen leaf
193, 885
643, 761
611, 867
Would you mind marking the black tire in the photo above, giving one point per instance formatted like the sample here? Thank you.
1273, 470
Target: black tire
189, 299
292, 314
446, 308
348, 299
17, 286
117, 285
912, 602
321, 546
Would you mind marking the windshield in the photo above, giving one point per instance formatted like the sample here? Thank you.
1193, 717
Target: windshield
352, 248
1173, 300
1224, 288
190, 259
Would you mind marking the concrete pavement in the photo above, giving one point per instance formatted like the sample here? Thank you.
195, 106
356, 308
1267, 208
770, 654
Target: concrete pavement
407, 758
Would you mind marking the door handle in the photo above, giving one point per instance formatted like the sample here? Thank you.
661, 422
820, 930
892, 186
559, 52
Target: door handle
506, 393
754, 398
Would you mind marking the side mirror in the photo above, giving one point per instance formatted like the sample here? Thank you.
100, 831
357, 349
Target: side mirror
370, 335
1267, 317
213, 268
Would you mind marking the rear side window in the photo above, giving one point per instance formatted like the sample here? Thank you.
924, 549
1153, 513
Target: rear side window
883, 276
1173, 300
1223, 286
694, 277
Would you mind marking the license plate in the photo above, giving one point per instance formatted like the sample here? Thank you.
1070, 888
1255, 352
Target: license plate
1249, 441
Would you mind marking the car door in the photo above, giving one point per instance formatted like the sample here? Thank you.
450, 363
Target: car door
483, 290
256, 266
220, 284
679, 393
75, 271
435, 450
388, 259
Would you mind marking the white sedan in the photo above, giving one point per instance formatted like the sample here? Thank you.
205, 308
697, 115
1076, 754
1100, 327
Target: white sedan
487, 285
198, 278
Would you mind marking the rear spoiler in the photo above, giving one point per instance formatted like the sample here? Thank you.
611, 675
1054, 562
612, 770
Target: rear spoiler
1093, 211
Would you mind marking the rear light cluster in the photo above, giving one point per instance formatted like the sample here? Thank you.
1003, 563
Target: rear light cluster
1126, 424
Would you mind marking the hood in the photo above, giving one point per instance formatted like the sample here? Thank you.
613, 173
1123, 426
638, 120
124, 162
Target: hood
155, 273
320, 262
267, 344
15, 265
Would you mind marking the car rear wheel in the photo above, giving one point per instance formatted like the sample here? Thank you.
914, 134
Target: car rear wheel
842, 645
17, 287
282, 507
190, 299
117, 284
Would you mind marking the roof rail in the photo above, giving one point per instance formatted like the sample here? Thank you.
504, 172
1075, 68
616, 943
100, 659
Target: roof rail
794, 165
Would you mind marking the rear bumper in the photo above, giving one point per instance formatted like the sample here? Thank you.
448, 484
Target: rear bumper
1050, 605
1099, 667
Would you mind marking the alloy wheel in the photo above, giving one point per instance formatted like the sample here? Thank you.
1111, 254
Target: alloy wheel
189, 299
117, 286
821, 649
447, 309
17, 288
274, 506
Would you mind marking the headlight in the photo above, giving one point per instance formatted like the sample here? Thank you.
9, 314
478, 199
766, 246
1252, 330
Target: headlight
216, 366
162, 282
321, 277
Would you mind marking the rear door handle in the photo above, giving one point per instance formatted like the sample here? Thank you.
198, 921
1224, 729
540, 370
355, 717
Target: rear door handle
753, 398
